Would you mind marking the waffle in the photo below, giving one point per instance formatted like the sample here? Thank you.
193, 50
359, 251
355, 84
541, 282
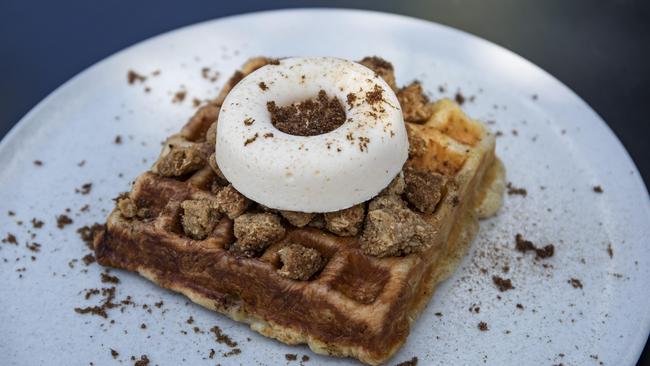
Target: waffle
358, 305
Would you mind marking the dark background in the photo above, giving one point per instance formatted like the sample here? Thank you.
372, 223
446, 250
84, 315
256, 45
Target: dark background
600, 49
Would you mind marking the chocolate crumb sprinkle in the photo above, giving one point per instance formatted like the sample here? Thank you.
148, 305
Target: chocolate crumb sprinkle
114, 353
512, 190
483, 327
263, 86
62, 221
133, 76
38, 163
412, 362
503, 284
576, 283
523, 245
598, 189
250, 140
291, 356
308, 118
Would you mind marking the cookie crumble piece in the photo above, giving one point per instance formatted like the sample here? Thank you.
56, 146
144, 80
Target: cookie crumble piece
299, 262
255, 232
392, 229
179, 160
423, 189
345, 222
415, 104
199, 218
297, 219
231, 202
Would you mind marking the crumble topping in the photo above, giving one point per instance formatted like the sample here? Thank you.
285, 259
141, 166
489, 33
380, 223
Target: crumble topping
382, 68
298, 219
423, 188
345, 222
299, 262
199, 217
392, 229
308, 118
180, 160
415, 105
256, 231
127, 207
231, 202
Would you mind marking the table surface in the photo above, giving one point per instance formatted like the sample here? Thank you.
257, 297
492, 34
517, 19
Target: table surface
596, 48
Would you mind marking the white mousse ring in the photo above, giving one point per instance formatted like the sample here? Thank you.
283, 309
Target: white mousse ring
321, 173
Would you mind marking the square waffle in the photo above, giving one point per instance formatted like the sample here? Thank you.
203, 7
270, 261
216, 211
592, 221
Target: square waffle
357, 305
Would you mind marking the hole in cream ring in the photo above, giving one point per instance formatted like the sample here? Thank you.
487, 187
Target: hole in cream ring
320, 173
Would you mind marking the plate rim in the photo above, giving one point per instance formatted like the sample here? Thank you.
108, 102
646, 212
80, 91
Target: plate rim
27, 121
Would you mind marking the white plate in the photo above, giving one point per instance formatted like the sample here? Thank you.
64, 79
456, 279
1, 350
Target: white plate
561, 144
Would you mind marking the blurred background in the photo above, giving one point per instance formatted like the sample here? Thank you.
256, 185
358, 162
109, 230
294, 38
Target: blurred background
600, 49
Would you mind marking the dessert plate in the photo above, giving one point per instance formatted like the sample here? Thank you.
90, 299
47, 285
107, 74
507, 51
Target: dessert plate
572, 185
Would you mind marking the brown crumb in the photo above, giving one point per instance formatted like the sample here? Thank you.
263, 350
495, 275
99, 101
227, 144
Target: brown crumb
415, 104
106, 278
85, 188
263, 86
199, 217
576, 283
143, 361
190, 320
512, 190
62, 221
299, 262
305, 358
345, 222
222, 338
176, 161
376, 95
503, 284
268, 135
133, 76
459, 98
196, 102
117, 140
250, 140
231, 202
37, 224
249, 121
291, 356
598, 189
417, 145
391, 229
159, 304
412, 362
308, 118
610, 250
38, 163
11, 239
34, 247
88, 259
179, 96
520, 307
114, 353
255, 232
298, 219
423, 188
483, 327
523, 245
143, 326
350, 99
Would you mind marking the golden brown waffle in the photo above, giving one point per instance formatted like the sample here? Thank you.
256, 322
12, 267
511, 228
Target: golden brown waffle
358, 305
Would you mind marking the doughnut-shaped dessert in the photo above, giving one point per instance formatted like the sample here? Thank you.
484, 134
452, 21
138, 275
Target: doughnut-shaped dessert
305, 170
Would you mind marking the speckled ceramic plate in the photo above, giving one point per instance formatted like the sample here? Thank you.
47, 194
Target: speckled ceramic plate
586, 305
